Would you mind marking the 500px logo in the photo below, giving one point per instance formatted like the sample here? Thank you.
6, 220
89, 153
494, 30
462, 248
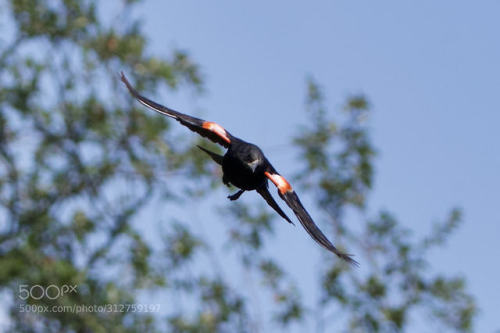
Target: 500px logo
51, 292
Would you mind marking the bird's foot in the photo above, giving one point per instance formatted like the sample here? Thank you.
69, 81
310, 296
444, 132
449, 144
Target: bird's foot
236, 195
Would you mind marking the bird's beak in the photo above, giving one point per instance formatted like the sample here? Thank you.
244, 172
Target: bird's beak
253, 165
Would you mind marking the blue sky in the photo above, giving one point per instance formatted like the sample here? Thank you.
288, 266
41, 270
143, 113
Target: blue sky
430, 69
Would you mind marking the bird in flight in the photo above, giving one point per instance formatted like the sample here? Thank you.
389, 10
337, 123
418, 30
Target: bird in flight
245, 166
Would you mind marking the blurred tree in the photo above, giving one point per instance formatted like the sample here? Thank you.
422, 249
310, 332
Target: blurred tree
79, 164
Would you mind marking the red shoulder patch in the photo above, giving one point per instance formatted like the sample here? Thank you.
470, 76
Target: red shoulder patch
281, 183
217, 129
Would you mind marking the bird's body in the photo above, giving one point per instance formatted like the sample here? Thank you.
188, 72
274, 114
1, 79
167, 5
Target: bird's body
245, 166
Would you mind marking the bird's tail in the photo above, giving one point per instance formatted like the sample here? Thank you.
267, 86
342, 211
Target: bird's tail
216, 157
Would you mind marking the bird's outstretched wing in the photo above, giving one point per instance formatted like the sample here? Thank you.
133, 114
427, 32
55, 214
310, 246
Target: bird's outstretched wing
291, 198
264, 192
208, 129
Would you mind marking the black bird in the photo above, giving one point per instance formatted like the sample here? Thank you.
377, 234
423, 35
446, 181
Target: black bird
245, 166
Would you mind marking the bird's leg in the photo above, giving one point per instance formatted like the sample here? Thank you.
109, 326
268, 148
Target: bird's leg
236, 195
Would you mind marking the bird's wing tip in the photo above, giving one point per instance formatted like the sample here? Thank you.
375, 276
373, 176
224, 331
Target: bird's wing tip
130, 88
124, 79
348, 258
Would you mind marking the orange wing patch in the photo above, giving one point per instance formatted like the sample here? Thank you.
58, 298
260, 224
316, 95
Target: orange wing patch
217, 129
281, 183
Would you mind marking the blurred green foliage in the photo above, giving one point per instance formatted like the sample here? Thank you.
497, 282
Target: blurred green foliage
79, 162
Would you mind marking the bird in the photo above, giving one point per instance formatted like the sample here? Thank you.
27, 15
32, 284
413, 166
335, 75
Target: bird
245, 166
